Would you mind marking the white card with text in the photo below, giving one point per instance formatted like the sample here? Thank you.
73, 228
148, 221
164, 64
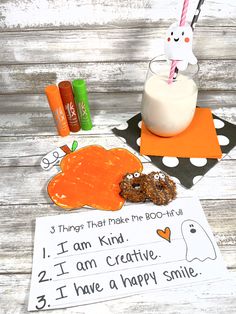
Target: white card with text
82, 258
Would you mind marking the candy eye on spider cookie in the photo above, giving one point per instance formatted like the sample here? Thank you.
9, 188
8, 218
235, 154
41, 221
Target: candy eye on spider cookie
162, 175
129, 176
137, 174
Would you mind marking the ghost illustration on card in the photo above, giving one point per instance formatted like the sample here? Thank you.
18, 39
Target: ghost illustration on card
178, 45
198, 243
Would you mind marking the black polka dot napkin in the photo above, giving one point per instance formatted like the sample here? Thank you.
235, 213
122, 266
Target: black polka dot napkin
186, 171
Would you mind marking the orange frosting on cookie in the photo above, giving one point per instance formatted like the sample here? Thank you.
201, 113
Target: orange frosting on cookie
91, 176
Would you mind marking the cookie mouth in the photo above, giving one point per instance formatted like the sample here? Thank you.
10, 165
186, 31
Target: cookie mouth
136, 186
161, 185
176, 39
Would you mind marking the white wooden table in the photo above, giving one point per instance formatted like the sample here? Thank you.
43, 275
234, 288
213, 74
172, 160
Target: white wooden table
24, 197
109, 44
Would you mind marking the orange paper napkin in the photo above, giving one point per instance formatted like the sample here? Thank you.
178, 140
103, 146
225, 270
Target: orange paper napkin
199, 140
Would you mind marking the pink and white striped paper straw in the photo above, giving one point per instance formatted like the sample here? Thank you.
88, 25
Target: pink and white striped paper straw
172, 71
182, 23
184, 13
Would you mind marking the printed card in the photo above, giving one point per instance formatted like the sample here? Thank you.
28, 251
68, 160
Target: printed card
83, 258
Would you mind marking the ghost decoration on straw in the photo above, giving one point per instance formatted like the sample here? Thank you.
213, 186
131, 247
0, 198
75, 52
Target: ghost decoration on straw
178, 45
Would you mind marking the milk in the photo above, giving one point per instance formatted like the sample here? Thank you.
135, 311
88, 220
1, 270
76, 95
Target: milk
167, 110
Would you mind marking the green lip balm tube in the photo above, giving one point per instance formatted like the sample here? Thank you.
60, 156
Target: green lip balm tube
81, 100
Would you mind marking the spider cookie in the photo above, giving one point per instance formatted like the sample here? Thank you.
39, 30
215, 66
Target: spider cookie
159, 188
132, 187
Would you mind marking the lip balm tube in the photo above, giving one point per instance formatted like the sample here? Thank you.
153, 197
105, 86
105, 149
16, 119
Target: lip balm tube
81, 100
56, 105
69, 105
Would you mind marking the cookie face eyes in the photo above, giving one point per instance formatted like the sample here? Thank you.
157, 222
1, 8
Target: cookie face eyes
159, 176
129, 176
162, 176
156, 176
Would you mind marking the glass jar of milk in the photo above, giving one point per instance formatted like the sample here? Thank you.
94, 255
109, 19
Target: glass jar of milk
168, 109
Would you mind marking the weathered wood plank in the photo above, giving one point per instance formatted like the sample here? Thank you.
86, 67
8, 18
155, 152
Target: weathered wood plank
28, 185
28, 151
115, 102
30, 114
21, 120
18, 225
106, 77
27, 156
18, 152
139, 44
34, 123
214, 297
89, 13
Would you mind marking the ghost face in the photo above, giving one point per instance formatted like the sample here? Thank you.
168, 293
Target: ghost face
198, 243
178, 44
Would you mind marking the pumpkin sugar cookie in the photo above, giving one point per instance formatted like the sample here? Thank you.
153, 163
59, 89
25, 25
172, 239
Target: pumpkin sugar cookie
91, 176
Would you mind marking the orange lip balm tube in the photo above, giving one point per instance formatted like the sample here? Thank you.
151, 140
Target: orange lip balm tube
56, 105
69, 105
